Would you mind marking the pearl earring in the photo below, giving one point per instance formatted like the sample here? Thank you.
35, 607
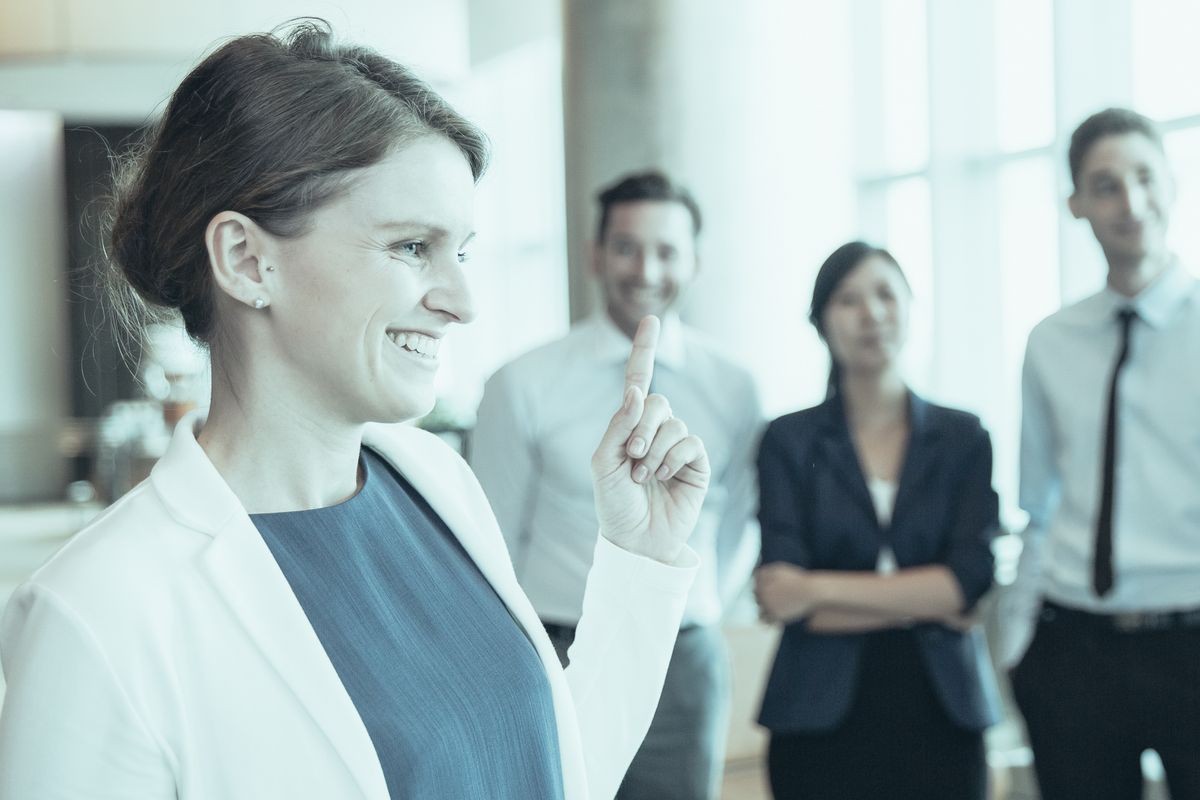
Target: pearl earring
260, 303
270, 269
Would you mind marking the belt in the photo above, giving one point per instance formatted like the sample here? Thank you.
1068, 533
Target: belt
1123, 621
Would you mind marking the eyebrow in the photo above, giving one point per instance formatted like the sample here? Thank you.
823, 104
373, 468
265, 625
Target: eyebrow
429, 228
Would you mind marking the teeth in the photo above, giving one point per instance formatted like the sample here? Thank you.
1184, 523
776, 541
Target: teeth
416, 342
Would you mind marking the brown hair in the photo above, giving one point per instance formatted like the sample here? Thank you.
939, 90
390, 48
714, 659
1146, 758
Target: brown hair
1109, 122
648, 185
269, 126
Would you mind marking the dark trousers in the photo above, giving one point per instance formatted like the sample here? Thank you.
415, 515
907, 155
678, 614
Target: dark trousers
896, 743
683, 754
1094, 698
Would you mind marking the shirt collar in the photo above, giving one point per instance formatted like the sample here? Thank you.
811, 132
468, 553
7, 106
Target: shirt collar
612, 345
1157, 302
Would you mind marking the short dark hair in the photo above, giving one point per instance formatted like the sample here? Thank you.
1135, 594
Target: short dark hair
268, 125
1109, 122
647, 185
840, 263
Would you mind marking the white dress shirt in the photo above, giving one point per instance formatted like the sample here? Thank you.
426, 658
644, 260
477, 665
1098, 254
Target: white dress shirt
541, 418
1156, 508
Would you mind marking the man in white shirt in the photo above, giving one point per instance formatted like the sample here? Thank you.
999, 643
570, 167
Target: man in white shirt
541, 415
1110, 476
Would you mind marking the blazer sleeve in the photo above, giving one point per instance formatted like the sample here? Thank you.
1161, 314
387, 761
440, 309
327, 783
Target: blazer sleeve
67, 728
780, 483
632, 608
975, 520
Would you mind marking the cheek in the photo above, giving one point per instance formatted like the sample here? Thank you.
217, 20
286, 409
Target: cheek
838, 332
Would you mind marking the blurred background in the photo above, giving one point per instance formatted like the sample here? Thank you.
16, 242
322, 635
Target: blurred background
936, 128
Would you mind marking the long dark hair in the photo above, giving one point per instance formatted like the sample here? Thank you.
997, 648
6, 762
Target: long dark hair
269, 126
837, 266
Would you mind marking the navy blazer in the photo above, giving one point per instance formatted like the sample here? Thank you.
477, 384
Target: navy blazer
816, 512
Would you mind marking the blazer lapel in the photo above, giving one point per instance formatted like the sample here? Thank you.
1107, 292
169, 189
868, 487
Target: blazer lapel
921, 455
468, 522
839, 450
241, 569
240, 565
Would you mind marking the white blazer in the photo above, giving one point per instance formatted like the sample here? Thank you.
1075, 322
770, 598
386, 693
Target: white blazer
162, 654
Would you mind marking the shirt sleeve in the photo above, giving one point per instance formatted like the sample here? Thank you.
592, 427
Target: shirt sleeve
503, 457
737, 538
1040, 487
632, 608
68, 729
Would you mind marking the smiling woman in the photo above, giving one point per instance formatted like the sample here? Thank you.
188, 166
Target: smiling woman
306, 599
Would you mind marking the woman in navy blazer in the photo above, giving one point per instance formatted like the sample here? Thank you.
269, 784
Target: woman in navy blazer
877, 512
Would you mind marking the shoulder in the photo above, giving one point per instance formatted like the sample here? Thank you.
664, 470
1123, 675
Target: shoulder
545, 357
955, 424
125, 563
794, 427
960, 432
1068, 318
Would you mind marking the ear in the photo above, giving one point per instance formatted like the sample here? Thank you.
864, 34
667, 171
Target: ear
235, 244
1075, 204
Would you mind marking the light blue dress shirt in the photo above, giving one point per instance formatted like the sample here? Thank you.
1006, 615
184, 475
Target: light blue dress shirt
539, 421
1156, 512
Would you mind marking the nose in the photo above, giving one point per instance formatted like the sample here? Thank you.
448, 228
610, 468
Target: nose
873, 309
1136, 200
648, 267
450, 295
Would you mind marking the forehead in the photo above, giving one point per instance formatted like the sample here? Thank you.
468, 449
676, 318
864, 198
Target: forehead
427, 180
1122, 152
650, 219
871, 271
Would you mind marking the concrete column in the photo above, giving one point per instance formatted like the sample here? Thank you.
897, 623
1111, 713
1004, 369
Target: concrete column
749, 105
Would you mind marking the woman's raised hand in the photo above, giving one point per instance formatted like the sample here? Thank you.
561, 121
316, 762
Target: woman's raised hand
649, 474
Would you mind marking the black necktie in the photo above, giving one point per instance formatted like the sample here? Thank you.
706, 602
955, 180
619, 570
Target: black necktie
1102, 565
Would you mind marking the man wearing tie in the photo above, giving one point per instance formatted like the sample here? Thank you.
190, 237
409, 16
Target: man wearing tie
1110, 477
541, 414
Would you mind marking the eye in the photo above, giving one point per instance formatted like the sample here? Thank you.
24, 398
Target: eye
667, 253
463, 256
411, 247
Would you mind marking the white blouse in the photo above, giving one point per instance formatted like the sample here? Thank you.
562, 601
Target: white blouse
883, 496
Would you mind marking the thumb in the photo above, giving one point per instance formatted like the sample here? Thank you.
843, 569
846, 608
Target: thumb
610, 454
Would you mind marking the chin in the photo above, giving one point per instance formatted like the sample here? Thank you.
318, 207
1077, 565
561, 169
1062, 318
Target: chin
403, 409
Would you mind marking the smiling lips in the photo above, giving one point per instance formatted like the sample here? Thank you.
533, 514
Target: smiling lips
416, 343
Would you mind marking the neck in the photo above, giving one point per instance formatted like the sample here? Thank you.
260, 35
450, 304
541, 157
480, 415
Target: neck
1130, 276
874, 398
275, 453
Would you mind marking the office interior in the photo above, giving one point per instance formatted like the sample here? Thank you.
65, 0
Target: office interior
936, 128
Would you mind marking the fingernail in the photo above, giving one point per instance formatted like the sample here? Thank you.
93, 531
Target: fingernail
637, 447
662, 473
629, 397
640, 473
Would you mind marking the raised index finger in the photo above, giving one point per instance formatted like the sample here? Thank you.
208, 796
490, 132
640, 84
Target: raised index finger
640, 368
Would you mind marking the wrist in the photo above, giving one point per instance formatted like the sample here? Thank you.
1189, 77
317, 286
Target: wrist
668, 554
822, 591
